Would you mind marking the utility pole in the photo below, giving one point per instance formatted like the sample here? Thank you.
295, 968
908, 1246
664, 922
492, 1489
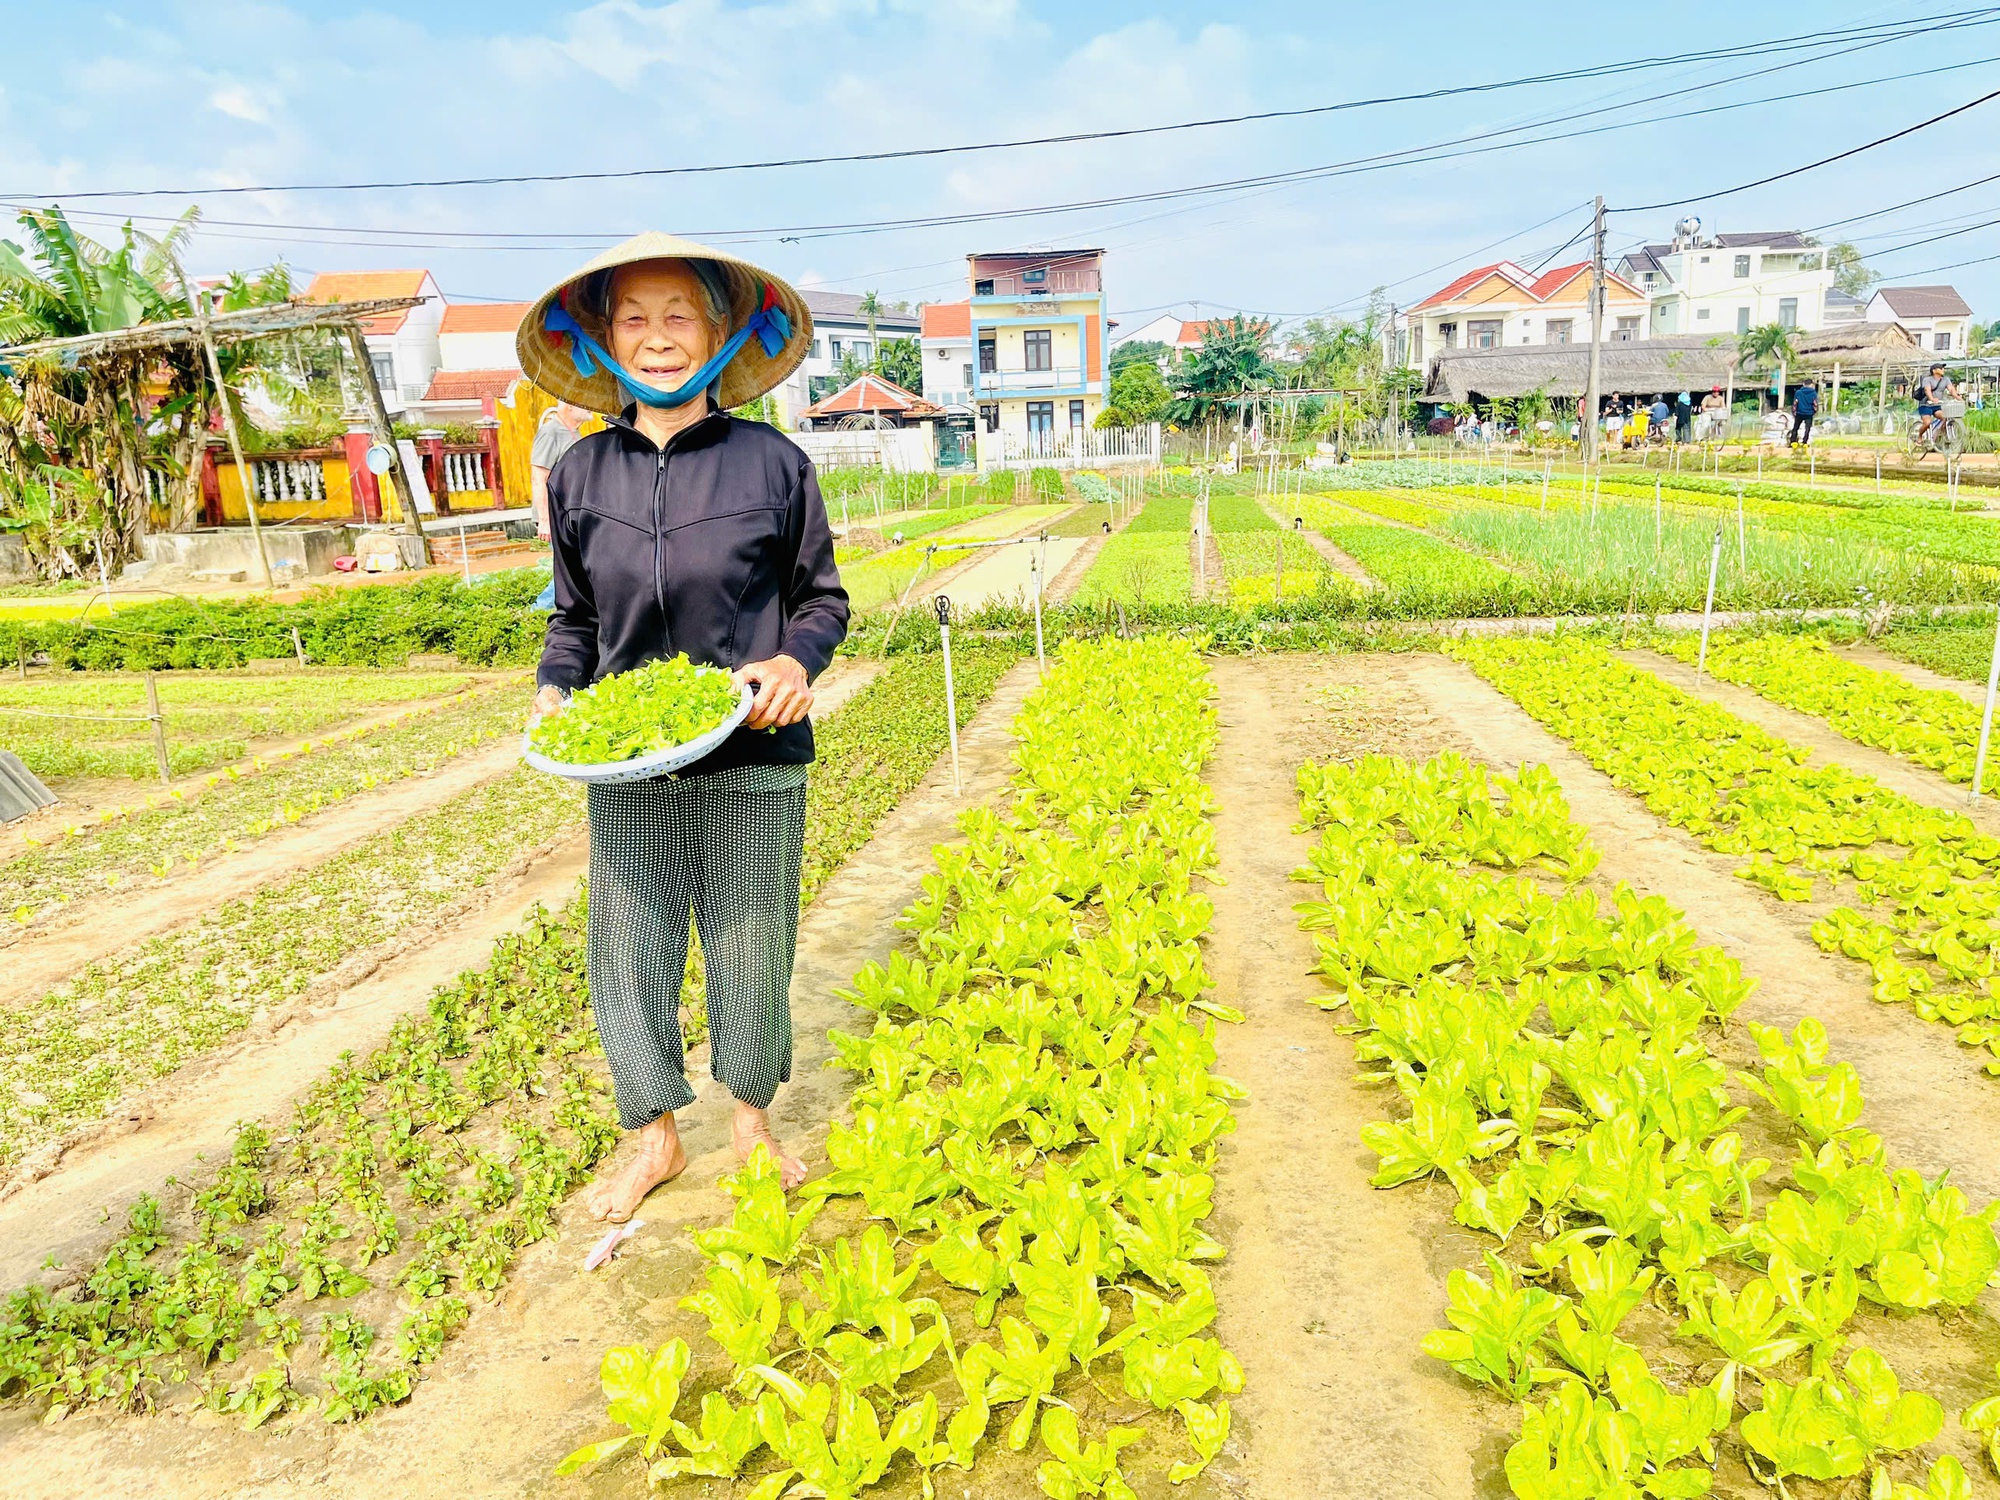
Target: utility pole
1587, 423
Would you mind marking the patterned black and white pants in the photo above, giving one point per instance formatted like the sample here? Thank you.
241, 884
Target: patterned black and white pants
725, 846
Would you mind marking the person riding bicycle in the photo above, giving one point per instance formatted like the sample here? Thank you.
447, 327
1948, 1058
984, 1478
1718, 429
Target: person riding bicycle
1932, 392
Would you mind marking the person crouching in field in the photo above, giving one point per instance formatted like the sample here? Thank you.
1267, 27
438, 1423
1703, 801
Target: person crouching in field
681, 529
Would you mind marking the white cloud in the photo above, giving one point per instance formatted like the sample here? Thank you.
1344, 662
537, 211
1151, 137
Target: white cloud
239, 103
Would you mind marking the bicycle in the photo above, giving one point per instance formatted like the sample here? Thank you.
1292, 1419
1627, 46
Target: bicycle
1946, 435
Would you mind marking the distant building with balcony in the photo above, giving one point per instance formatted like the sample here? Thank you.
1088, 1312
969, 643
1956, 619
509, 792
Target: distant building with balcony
402, 346
1037, 334
1701, 283
840, 328
1504, 306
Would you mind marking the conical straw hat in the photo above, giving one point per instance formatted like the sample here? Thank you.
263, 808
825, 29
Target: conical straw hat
545, 357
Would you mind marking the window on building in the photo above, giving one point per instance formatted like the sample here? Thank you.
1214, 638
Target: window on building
989, 356
1482, 333
1649, 280
1626, 331
818, 350
862, 349
1417, 344
1742, 320
968, 377
385, 370
1037, 277
834, 344
1701, 314
982, 288
1788, 312
1742, 266
1704, 260
989, 413
1558, 330
1041, 418
1448, 335
1038, 349
1076, 414
1941, 341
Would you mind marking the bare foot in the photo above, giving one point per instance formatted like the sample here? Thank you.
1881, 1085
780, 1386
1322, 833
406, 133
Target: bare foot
752, 1128
618, 1191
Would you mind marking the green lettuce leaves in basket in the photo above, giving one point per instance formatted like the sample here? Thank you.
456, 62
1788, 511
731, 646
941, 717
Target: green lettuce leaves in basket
654, 707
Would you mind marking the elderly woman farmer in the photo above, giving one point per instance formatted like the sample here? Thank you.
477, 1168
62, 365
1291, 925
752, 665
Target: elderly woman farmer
681, 529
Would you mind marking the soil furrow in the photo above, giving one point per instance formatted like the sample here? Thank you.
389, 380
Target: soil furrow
1326, 1276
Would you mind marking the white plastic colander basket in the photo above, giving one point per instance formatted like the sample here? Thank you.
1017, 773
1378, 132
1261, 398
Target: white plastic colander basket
654, 763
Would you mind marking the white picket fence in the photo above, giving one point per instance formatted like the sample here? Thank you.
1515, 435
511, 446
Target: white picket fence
900, 450
1074, 448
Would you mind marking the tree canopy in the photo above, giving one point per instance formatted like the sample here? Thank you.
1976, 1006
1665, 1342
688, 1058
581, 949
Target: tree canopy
1234, 357
1139, 394
77, 442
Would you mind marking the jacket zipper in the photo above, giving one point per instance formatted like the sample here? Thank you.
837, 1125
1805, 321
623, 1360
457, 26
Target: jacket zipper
659, 549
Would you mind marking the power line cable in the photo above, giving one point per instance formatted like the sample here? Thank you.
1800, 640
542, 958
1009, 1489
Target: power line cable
1811, 166
1453, 149
1906, 203
1885, 31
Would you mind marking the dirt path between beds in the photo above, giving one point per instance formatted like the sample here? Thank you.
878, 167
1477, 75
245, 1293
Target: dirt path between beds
518, 1388
1339, 561
1330, 1285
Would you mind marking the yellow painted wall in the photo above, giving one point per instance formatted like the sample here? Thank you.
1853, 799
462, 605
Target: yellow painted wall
520, 412
337, 506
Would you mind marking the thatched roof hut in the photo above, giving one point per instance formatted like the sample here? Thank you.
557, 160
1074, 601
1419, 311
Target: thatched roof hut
1859, 348
1685, 362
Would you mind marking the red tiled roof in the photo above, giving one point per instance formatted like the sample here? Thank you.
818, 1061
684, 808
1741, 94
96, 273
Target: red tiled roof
871, 393
483, 317
1550, 282
1193, 333
1536, 289
470, 385
1458, 288
360, 286
947, 320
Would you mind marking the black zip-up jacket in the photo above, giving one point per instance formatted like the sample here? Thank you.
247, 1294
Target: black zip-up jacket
716, 545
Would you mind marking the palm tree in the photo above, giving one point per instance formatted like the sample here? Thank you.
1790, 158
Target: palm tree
1767, 349
871, 305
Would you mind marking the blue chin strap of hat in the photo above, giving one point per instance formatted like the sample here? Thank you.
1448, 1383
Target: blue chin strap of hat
768, 325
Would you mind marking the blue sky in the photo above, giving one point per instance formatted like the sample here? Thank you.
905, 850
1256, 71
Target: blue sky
212, 95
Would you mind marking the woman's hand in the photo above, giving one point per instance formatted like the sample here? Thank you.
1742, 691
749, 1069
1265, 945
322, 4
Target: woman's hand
783, 695
549, 702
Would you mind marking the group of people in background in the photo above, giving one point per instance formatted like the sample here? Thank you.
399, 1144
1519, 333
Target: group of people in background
1632, 421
